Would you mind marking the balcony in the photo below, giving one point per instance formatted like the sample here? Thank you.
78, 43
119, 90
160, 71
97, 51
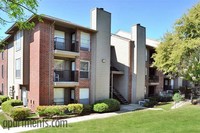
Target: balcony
62, 49
65, 78
153, 80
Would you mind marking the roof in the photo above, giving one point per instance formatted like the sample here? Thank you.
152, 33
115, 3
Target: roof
127, 35
54, 19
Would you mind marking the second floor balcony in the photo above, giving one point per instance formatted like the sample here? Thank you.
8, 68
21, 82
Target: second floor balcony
66, 49
65, 78
154, 79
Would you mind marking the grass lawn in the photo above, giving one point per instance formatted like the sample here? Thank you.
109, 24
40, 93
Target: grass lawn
185, 119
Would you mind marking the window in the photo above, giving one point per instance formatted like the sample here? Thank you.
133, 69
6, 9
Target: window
2, 71
59, 39
18, 40
59, 96
84, 95
18, 68
2, 88
84, 70
2, 55
59, 64
85, 41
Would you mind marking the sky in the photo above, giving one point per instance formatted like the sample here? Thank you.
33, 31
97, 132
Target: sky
158, 16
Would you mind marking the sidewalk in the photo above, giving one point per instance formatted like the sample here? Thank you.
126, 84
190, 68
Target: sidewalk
124, 109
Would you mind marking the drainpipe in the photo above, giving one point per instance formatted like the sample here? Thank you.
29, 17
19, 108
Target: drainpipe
50, 61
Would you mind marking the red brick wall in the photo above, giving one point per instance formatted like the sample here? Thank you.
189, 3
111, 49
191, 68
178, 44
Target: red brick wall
46, 63
4, 79
34, 83
84, 55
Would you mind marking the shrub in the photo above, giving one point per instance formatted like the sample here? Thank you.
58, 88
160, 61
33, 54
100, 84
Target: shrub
3, 99
75, 108
50, 111
40, 110
108, 106
195, 101
20, 113
87, 109
8, 105
177, 97
165, 99
152, 101
100, 107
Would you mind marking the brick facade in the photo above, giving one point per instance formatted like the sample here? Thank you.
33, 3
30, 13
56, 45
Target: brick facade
4, 77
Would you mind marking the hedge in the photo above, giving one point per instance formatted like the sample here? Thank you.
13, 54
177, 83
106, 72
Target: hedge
75, 108
3, 99
59, 110
87, 109
107, 105
20, 113
50, 111
8, 105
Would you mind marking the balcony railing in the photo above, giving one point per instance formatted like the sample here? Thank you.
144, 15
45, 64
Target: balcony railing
59, 44
65, 76
153, 79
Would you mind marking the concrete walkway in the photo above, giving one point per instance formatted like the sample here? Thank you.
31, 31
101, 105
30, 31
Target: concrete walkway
124, 109
180, 104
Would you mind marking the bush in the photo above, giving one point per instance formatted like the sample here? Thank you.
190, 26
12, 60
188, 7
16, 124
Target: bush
8, 105
100, 107
107, 105
87, 109
3, 99
177, 97
40, 110
75, 108
50, 111
20, 113
165, 99
152, 101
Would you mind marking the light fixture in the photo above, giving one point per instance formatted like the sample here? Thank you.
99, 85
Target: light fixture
103, 61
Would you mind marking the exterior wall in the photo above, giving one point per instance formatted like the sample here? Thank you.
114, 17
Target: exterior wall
100, 73
4, 79
18, 54
46, 63
138, 35
33, 94
120, 59
10, 67
84, 55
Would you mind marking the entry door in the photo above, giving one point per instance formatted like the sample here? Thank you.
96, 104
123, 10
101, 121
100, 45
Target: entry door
24, 96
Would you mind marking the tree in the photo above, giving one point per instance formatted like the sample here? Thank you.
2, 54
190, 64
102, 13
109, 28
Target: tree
14, 12
179, 52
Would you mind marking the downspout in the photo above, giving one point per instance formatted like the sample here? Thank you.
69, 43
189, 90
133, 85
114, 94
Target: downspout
50, 61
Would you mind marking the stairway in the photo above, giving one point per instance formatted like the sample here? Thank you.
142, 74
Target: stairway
119, 97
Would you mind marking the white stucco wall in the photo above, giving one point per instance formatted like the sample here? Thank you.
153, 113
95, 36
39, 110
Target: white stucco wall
120, 59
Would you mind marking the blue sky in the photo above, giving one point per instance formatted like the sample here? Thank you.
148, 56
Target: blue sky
158, 16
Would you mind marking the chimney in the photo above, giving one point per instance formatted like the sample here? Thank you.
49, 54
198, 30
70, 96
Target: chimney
100, 59
138, 35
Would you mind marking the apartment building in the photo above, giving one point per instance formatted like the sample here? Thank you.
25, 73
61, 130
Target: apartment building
132, 75
58, 62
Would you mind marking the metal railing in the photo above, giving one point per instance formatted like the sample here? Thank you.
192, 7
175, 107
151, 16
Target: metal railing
65, 76
60, 44
153, 79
